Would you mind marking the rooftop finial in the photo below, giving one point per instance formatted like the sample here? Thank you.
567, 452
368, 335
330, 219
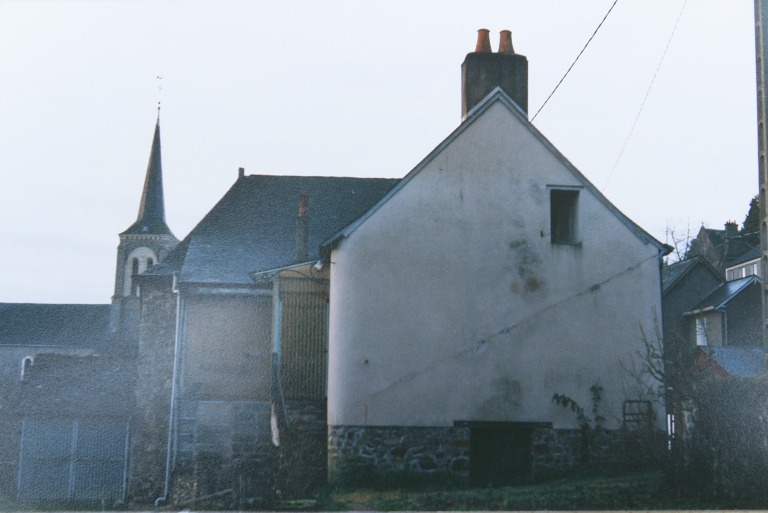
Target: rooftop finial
159, 92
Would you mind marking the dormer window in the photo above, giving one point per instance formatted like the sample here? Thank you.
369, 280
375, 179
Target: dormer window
563, 209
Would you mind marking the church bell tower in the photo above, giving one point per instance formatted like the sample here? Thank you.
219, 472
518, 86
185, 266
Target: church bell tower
145, 243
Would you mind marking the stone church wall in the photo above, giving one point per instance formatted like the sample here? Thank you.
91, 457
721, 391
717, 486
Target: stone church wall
153, 393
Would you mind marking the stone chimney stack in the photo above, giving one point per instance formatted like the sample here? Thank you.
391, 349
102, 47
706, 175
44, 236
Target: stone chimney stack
482, 71
302, 230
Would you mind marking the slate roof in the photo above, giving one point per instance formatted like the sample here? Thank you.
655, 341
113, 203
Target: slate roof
739, 361
151, 218
253, 227
54, 325
723, 251
722, 294
673, 274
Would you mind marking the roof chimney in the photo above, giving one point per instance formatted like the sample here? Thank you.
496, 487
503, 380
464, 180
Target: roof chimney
731, 229
482, 71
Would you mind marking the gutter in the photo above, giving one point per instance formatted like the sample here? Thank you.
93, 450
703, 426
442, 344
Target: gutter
160, 501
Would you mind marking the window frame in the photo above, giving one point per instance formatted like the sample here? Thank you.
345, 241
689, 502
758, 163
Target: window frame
564, 225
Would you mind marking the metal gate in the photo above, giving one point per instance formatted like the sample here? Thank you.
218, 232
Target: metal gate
73, 460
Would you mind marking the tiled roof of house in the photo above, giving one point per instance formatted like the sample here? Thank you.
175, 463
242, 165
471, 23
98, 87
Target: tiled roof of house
254, 226
724, 251
672, 273
722, 294
54, 325
739, 361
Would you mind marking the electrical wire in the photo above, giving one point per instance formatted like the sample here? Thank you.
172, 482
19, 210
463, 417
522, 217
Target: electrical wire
576, 59
645, 98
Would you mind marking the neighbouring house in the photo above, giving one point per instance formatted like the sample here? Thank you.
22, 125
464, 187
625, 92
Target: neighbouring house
727, 249
685, 284
32, 336
232, 343
728, 316
711, 323
713, 298
493, 276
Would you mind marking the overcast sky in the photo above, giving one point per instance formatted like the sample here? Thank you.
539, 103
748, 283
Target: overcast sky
344, 88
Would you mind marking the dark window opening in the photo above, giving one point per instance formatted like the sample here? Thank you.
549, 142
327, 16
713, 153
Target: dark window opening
563, 203
134, 272
150, 263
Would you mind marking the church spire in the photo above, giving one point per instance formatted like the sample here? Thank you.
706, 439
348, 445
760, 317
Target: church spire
151, 218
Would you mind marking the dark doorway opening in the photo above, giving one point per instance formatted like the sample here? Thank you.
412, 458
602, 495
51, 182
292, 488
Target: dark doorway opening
500, 454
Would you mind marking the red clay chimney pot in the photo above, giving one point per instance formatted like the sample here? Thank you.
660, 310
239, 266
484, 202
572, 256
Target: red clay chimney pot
505, 42
483, 41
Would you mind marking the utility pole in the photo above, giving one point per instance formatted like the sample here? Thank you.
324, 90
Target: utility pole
761, 44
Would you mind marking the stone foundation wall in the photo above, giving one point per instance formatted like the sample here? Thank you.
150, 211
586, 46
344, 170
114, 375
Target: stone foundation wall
358, 453
303, 458
559, 449
363, 453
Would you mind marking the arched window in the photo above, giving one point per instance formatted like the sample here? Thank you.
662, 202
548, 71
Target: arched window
136, 263
134, 272
26, 363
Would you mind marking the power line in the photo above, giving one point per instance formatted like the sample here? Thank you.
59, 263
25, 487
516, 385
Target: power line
645, 98
576, 59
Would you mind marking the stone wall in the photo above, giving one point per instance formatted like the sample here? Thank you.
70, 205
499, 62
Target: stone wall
366, 452
360, 453
303, 459
225, 445
555, 450
154, 374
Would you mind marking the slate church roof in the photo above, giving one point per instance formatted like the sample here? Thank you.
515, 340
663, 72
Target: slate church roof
151, 218
253, 227
33, 324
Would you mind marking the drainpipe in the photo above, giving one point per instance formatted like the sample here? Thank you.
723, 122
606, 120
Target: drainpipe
725, 325
279, 411
174, 385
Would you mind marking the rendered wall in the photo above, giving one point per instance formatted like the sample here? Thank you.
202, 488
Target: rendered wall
451, 302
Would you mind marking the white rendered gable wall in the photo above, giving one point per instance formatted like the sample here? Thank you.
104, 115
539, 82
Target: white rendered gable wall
450, 301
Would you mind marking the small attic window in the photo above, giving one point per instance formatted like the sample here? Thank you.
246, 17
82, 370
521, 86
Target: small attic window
563, 205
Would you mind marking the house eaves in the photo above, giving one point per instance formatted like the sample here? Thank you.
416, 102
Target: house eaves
497, 95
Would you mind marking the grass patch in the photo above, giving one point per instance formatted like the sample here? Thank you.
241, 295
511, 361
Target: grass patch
646, 490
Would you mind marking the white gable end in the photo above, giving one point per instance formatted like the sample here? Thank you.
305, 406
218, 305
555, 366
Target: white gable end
452, 300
